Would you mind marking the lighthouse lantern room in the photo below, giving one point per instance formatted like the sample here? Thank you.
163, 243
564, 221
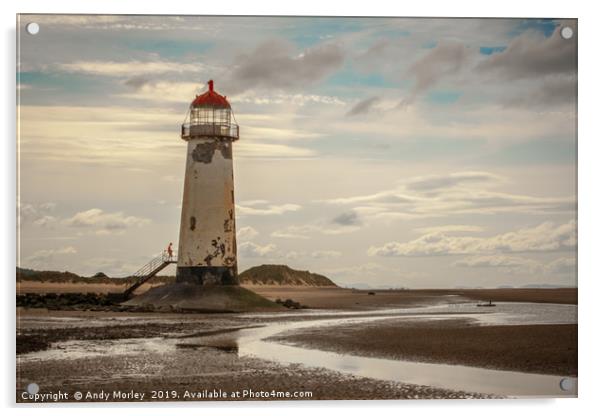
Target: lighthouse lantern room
207, 245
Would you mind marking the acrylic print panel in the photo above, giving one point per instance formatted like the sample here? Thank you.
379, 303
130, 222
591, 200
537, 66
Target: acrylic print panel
295, 208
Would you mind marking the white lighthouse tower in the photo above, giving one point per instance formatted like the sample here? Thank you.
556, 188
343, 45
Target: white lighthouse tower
206, 276
207, 247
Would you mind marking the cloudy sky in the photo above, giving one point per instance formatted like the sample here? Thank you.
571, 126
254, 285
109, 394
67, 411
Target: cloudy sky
384, 152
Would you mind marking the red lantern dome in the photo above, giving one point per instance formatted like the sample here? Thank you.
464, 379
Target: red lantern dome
210, 99
210, 116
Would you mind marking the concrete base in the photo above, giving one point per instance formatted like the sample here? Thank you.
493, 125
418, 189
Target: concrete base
207, 275
194, 297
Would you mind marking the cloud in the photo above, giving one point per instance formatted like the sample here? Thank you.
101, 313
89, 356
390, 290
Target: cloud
137, 81
521, 265
267, 131
498, 261
363, 107
294, 255
446, 59
246, 233
375, 275
290, 232
563, 265
318, 254
265, 209
532, 55
145, 88
44, 257
545, 237
377, 51
45, 221
111, 266
254, 202
78, 20
304, 231
133, 137
155, 87
118, 135
135, 69
275, 64
385, 197
438, 182
37, 214
452, 194
361, 270
114, 23
96, 217
325, 254
26, 212
257, 150
249, 249
47, 206
261, 97
553, 91
543, 70
347, 218
450, 229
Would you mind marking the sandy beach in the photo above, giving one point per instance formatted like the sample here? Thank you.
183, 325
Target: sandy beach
207, 364
79, 350
337, 297
542, 349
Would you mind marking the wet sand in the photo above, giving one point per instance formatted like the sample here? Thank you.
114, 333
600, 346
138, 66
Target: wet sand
567, 296
339, 298
541, 349
192, 367
126, 350
204, 368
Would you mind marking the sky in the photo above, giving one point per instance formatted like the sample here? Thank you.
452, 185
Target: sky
380, 152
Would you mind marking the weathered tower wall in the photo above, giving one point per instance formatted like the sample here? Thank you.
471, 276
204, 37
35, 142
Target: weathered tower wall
207, 246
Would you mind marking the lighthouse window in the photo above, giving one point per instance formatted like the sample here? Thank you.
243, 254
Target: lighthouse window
206, 115
222, 116
201, 116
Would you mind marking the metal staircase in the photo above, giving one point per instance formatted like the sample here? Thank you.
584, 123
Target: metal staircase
149, 270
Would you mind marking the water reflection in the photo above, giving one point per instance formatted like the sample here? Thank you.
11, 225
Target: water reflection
472, 379
453, 377
252, 342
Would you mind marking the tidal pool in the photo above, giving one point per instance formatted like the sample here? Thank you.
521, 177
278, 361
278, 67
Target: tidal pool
253, 342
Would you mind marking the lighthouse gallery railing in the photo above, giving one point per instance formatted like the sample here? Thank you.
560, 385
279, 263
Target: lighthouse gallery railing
218, 130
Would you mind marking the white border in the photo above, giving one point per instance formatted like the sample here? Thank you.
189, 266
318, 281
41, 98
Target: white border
590, 207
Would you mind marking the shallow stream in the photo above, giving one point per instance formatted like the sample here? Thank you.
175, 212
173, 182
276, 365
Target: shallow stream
253, 342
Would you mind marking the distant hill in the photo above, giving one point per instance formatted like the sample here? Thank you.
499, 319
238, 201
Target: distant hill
545, 286
68, 277
360, 286
50, 276
267, 274
282, 275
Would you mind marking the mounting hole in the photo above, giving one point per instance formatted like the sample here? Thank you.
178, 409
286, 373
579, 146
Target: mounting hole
32, 28
33, 388
566, 32
566, 384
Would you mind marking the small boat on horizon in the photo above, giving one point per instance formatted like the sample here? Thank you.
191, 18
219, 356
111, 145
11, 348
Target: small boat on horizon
490, 304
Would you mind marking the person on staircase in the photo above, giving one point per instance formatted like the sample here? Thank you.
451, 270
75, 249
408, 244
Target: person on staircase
169, 252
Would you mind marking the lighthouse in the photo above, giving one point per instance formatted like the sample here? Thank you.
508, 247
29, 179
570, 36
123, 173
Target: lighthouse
207, 244
206, 274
